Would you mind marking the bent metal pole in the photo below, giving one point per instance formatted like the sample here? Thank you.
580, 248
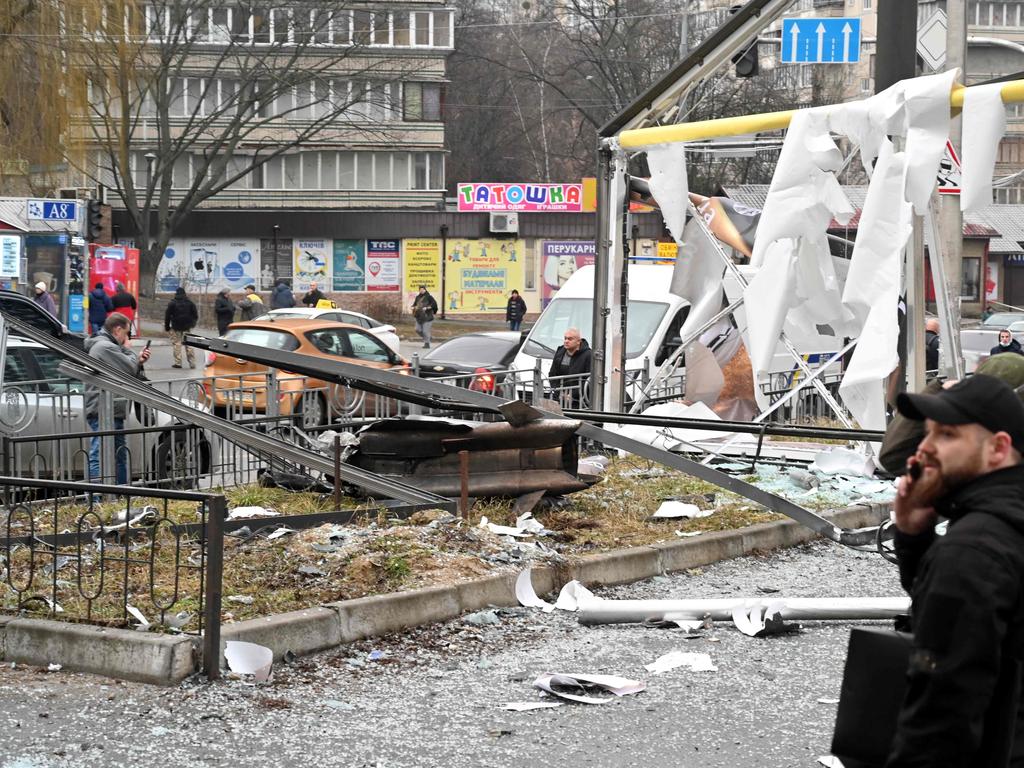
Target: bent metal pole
597, 611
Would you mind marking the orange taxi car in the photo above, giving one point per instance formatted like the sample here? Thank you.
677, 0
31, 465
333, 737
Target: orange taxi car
237, 388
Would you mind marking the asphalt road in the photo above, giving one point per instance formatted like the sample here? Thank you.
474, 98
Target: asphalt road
436, 696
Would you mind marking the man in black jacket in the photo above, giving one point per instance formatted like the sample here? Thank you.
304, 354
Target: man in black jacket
181, 316
568, 368
313, 296
224, 310
967, 587
282, 297
931, 347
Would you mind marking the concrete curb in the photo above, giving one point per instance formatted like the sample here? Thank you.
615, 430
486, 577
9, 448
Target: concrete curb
166, 659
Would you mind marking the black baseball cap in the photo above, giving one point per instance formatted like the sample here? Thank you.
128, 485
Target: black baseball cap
979, 399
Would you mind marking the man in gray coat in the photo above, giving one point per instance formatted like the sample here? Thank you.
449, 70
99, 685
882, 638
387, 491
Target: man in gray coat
110, 347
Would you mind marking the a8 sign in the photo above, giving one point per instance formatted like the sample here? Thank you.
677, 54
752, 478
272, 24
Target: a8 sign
53, 210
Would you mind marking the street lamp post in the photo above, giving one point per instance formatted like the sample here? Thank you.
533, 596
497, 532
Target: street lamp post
277, 256
444, 247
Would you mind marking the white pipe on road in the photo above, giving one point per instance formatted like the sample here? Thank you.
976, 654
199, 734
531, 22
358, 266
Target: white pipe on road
597, 611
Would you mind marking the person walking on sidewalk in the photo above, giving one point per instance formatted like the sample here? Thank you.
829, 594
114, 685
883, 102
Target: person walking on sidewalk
224, 310
282, 297
515, 311
313, 296
44, 299
423, 309
124, 302
99, 308
181, 316
251, 304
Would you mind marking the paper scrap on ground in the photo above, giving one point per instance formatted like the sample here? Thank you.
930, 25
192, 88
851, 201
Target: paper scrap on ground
143, 621
501, 530
685, 623
828, 701
241, 513
762, 620
526, 595
581, 687
688, 534
677, 509
528, 524
249, 659
984, 120
526, 706
696, 662
830, 761
571, 595
279, 533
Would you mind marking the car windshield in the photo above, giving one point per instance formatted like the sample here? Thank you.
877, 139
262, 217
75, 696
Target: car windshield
562, 313
477, 351
263, 337
1002, 319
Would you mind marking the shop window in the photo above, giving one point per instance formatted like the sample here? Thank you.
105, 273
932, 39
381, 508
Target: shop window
970, 280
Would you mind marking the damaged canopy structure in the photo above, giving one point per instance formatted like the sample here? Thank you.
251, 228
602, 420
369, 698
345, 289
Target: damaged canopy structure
518, 413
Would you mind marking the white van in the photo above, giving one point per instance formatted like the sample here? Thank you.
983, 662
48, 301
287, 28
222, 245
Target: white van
655, 317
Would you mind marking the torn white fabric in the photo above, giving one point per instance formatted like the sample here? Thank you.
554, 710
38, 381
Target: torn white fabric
704, 377
502, 530
804, 195
669, 186
984, 120
695, 662
678, 509
926, 104
767, 298
751, 619
872, 289
249, 659
572, 594
843, 461
830, 761
246, 512
697, 276
526, 595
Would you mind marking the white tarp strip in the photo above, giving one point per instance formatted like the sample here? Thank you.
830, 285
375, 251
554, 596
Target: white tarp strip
926, 102
667, 163
697, 276
985, 116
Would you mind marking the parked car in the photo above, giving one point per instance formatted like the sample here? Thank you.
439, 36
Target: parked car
487, 354
236, 387
382, 331
39, 401
23, 308
977, 342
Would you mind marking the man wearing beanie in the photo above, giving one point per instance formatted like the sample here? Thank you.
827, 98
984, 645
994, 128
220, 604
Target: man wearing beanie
967, 587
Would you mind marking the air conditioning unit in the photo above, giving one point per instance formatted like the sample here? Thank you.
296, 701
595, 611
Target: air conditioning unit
77, 193
505, 222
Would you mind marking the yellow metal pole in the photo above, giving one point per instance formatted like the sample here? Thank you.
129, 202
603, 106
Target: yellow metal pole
1012, 91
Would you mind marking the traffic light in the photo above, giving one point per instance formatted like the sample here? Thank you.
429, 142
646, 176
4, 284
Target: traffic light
746, 61
93, 220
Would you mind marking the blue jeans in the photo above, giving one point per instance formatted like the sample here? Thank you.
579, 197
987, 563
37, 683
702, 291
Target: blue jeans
120, 452
513, 325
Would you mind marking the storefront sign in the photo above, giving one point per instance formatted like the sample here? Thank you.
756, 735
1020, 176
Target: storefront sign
311, 264
350, 265
422, 266
10, 255
561, 259
383, 272
520, 197
479, 274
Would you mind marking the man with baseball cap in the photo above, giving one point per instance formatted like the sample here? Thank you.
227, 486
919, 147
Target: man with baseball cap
967, 587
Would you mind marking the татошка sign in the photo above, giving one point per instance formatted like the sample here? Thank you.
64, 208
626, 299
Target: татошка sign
474, 196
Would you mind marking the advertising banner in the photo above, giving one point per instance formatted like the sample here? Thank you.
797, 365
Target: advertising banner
383, 272
422, 266
519, 197
311, 264
10, 255
275, 261
560, 260
349, 265
479, 274
206, 266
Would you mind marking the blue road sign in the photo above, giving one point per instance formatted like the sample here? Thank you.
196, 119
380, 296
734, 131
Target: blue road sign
820, 41
53, 210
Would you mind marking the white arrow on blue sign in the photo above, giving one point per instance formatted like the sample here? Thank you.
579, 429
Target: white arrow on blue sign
820, 41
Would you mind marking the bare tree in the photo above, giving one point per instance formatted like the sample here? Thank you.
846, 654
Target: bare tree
193, 97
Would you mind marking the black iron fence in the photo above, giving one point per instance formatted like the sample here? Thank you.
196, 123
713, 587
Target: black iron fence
151, 558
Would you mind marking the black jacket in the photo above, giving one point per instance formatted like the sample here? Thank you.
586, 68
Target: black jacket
578, 363
424, 307
516, 309
224, 307
181, 314
311, 298
931, 352
122, 300
282, 297
1014, 347
968, 619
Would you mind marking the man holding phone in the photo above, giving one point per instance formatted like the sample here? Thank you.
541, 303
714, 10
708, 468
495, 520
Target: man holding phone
967, 587
111, 347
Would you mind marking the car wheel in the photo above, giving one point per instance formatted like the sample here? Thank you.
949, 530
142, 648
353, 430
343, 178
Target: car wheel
311, 411
179, 462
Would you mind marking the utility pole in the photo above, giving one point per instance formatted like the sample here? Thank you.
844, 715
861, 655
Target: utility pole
951, 222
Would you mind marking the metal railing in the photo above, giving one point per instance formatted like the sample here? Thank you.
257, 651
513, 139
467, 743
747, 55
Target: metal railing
155, 559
